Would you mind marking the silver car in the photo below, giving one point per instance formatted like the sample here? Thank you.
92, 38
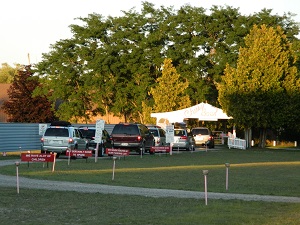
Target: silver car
183, 140
60, 138
159, 135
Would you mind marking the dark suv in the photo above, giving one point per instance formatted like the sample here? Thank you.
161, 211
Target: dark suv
89, 134
132, 136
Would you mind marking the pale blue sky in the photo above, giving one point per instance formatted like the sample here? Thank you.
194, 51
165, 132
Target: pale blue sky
30, 26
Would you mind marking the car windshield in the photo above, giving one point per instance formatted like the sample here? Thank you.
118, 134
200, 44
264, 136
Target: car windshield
88, 133
179, 132
125, 129
154, 132
200, 131
57, 132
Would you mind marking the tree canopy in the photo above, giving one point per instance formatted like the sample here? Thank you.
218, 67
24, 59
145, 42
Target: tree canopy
168, 94
263, 90
21, 106
7, 73
111, 64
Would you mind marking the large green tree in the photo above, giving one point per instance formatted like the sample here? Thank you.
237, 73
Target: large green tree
263, 90
22, 106
64, 75
7, 73
110, 64
169, 93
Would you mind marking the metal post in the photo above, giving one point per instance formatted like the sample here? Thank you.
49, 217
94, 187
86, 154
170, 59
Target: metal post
17, 168
114, 166
227, 169
96, 152
205, 173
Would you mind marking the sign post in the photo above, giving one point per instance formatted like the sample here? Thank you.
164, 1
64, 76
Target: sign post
114, 167
170, 136
205, 173
227, 174
17, 168
36, 157
98, 136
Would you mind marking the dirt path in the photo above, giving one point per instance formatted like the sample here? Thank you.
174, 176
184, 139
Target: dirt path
11, 181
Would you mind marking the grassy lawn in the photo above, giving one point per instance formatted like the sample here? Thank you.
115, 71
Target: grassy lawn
269, 172
48, 207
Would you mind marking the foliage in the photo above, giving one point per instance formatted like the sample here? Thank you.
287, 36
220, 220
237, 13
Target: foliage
7, 73
21, 106
263, 90
112, 63
168, 94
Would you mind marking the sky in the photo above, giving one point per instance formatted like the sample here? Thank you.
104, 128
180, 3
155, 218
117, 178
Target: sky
30, 27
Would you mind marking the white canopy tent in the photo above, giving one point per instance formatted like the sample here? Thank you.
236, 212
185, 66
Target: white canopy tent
202, 111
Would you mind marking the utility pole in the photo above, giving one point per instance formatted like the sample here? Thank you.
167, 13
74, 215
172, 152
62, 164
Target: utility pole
28, 58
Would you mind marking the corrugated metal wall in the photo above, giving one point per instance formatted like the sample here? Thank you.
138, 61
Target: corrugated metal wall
25, 136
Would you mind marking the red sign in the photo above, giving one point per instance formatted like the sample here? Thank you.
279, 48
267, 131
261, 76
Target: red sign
115, 151
79, 153
160, 149
28, 157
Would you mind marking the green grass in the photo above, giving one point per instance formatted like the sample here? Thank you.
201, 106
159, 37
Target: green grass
269, 172
54, 207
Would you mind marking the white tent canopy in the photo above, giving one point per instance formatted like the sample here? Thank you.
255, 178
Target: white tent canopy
202, 111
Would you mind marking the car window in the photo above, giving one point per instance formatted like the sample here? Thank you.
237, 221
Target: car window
154, 132
125, 129
162, 133
200, 131
60, 132
179, 132
144, 129
88, 133
75, 133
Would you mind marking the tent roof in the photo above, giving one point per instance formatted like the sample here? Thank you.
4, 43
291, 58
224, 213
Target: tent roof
202, 111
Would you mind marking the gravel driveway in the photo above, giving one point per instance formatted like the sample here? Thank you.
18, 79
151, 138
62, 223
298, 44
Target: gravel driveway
11, 181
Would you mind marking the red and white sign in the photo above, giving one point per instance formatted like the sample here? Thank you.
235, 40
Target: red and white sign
28, 157
115, 151
79, 153
160, 149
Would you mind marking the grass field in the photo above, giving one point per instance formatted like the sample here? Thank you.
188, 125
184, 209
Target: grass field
268, 172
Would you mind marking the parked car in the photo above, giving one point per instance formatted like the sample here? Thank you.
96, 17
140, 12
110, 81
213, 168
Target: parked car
89, 134
159, 135
61, 136
183, 140
132, 136
203, 137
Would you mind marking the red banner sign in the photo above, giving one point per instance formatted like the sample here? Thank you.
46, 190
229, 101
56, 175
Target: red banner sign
28, 157
160, 149
115, 151
79, 153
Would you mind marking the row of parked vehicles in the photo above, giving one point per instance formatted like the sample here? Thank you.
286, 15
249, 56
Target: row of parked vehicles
61, 136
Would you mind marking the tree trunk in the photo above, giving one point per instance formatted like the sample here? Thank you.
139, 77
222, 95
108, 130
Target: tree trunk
262, 137
248, 137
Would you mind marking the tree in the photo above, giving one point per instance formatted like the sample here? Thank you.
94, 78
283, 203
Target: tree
169, 94
7, 73
64, 75
263, 90
21, 106
110, 64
